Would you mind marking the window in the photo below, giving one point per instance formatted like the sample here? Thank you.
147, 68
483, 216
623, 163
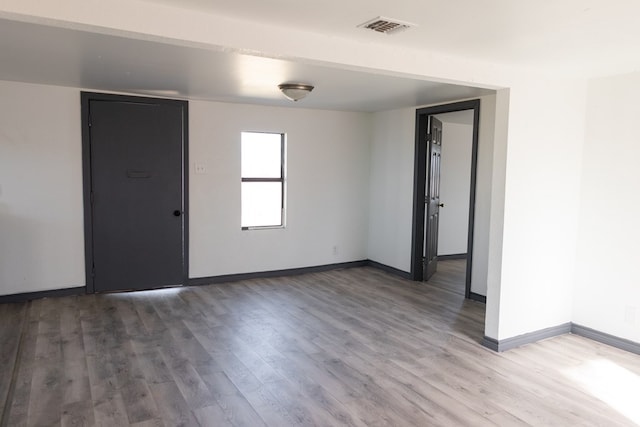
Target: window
262, 170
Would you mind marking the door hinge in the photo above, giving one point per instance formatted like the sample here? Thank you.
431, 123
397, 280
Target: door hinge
428, 137
93, 271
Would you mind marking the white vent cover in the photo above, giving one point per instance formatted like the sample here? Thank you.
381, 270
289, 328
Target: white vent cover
386, 25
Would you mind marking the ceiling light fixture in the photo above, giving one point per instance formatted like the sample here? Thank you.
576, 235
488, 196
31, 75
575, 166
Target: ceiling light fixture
295, 91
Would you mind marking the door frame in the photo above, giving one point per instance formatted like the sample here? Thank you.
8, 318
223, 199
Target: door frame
86, 98
419, 176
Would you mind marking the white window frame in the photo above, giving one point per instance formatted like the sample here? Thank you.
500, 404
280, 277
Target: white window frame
280, 179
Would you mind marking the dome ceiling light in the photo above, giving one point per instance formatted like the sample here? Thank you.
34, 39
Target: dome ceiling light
295, 91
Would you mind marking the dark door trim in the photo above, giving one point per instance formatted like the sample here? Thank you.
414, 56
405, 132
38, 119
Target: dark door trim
86, 98
419, 175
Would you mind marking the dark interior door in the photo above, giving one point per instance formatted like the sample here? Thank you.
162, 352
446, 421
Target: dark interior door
137, 152
432, 198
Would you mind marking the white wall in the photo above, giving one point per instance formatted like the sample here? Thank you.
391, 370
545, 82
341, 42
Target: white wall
391, 190
327, 189
455, 178
484, 211
541, 204
607, 288
495, 207
41, 220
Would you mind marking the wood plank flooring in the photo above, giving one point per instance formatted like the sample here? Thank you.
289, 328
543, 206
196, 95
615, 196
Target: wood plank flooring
354, 347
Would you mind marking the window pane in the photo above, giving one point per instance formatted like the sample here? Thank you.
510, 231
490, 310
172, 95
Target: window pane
261, 204
261, 155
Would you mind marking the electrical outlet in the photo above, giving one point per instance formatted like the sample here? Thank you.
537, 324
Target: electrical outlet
200, 168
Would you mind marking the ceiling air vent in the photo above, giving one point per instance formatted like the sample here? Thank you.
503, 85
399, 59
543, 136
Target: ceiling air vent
386, 25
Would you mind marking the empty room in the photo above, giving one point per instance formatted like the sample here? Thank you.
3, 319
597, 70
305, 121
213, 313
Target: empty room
249, 213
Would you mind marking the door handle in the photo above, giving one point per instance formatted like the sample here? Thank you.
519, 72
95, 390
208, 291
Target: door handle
177, 213
441, 205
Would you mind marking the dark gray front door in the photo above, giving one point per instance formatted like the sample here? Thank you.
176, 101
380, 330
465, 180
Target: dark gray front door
137, 151
432, 198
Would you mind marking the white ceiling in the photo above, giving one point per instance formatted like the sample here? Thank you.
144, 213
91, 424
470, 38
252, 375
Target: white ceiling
48, 55
599, 35
588, 37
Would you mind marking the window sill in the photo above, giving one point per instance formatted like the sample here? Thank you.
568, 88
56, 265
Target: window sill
263, 227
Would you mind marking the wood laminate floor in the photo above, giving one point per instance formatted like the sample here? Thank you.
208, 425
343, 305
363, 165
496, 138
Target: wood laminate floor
354, 347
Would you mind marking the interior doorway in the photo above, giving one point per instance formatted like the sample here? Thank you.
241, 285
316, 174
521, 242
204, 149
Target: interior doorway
423, 241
